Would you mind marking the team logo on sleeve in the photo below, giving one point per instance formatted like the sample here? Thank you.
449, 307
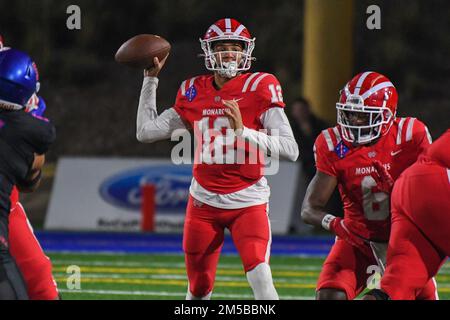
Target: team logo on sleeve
191, 94
341, 150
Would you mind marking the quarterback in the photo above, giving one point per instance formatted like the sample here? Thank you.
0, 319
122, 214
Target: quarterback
362, 155
227, 111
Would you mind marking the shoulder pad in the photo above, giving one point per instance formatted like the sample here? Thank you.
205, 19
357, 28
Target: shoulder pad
329, 139
410, 127
186, 84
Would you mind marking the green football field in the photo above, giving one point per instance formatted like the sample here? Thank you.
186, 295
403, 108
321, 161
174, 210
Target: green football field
154, 276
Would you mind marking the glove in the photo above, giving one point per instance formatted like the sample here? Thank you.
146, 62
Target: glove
338, 227
382, 177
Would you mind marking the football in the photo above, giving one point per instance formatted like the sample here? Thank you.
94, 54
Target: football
139, 51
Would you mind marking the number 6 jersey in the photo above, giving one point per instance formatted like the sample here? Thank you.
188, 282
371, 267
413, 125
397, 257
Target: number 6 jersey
363, 202
223, 164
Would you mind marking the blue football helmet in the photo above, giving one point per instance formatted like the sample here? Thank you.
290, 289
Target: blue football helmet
19, 78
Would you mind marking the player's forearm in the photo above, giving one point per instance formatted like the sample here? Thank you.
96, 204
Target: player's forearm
279, 140
147, 112
312, 215
277, 145
148, 129
316, 198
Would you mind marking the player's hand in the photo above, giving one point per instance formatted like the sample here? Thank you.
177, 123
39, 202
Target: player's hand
233, 114
38, 162
382, 177
158, 65
338, 227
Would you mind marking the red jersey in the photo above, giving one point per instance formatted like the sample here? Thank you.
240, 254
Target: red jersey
220, 165
363, 202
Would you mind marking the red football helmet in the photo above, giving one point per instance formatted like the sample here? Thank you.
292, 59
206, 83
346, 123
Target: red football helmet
228, 30
367, 108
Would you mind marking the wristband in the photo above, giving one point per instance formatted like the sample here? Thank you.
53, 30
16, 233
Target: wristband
326, 221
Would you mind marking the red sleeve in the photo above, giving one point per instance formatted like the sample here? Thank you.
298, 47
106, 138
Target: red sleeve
270, 94
323, 157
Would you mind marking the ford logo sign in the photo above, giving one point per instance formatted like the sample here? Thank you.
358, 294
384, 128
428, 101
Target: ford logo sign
171, 183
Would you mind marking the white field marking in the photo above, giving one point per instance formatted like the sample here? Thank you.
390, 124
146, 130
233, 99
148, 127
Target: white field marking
102, 263
176, 277
161, 271
177, 265
445, 270
110, 253
168, 254
218, 278
172, 294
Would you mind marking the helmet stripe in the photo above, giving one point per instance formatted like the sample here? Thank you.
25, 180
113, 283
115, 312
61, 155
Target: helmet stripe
380, 86
247, 83
239, 30
256, 83
346, 90
361, 81
228, 25
217, 30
